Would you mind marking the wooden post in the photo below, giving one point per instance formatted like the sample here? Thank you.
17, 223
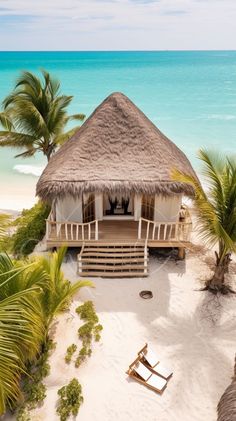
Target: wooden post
80, 270
181, 253
139, 228
96, 229
47, 229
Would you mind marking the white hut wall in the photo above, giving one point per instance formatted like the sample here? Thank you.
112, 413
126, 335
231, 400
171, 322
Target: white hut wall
137, 206
98, 206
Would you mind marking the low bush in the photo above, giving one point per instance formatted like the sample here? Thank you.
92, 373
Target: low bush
70, 399
30, 229
33, 388
70, 352
89, 331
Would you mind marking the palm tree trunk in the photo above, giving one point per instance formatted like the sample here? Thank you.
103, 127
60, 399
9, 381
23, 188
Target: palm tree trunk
217, 282
227, 405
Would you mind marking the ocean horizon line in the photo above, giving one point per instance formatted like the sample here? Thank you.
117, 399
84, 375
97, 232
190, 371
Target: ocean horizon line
119, 51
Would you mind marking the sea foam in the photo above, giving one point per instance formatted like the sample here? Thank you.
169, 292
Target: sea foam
29, 169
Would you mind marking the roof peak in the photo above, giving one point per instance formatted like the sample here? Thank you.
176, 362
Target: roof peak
116, 148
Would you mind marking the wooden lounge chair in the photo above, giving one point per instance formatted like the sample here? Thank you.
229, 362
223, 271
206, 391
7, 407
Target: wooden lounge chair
150, 360
139, 372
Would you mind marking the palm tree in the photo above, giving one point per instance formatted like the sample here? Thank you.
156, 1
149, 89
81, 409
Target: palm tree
31, 294
59, 291
35, 116
227, 405
216, 212
21, 331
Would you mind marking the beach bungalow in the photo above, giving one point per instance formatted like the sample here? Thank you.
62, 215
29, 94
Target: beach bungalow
112, 192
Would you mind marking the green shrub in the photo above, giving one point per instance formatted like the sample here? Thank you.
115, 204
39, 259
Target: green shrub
33, 388
23, 415
89, 331
70, 352
30, 230
5, 238
36, 393
70, 400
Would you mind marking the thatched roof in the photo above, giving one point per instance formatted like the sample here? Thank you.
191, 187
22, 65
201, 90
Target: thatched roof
117, 149
227, 405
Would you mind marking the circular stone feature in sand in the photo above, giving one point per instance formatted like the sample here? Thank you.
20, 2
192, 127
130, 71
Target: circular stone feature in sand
146, 295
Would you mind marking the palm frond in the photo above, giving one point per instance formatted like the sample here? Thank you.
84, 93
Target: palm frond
79, 117
5, 121
4, 224
61, 139
16, 140
21, 333
216, 208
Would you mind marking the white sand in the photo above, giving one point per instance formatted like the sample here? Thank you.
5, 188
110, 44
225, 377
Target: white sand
17, 197
191, 331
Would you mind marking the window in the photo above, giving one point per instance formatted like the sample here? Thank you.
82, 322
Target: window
88, 207
147, 209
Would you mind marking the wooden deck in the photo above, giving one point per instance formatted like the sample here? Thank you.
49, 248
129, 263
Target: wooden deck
118, 232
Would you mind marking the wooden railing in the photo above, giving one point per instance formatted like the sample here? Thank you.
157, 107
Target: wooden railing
164, 231
71, 231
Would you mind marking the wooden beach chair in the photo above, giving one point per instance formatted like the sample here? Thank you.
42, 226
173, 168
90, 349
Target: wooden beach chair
139, 372
149, 358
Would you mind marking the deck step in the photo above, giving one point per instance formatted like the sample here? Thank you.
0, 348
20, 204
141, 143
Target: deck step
112, 268
108, 254
115, 246
121, 274
113, 260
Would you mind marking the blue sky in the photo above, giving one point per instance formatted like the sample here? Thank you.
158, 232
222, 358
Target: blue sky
117, 24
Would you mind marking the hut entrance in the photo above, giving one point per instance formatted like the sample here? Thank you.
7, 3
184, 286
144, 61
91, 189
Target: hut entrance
88, 207
118, 205
147, 208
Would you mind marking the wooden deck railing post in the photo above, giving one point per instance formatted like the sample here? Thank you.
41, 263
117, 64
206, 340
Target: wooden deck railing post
147, 233
89, 232
66, 230
139, 228
82, 232
47, 229
145, 258
77, 232
96, 230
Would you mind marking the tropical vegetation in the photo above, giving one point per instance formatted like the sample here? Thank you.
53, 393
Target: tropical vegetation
89, 331
226, 408
35, 115
30, 229
70, 352
4, 225
216, 212
70, 400
32, 293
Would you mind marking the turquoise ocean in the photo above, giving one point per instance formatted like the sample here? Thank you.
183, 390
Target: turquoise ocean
190, 96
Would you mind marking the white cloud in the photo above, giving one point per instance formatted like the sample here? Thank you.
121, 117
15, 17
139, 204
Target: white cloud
117, 24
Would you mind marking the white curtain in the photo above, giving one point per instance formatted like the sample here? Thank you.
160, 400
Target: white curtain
69, 209
167, 208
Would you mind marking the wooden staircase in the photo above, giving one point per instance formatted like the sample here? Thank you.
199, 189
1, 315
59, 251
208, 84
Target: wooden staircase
113, 260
